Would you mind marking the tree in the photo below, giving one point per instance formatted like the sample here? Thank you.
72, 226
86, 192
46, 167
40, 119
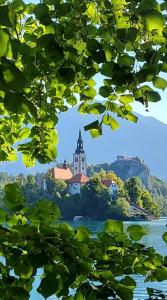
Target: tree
142, 197
95, 198
50, 55
120, 208
134, 189
111, 176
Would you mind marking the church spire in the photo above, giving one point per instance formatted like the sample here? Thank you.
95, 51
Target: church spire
79, 157
79, 148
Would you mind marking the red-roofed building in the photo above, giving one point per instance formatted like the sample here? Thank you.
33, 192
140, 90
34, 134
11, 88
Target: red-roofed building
76, 182
111, 184
63, 173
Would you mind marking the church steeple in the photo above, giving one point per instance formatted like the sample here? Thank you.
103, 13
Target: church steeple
65, 164
79, 148
79, 157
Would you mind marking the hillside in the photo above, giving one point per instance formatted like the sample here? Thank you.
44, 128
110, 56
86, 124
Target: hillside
146, 139
125, 168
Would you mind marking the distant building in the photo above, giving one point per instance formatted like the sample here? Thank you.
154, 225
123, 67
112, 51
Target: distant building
76, 182
123, 157
79, 158
112, 186
63, 173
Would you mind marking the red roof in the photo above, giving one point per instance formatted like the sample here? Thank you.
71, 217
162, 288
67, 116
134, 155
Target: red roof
79, 178
61, 173
107, 182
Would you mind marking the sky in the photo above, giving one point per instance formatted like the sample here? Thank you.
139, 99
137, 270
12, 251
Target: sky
157, 110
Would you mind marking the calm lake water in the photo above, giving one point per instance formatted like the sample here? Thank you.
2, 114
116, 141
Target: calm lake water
154, 229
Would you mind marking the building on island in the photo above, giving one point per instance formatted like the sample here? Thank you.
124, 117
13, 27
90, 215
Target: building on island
112, 186
63, 173
78, 176
76, 182
79, 158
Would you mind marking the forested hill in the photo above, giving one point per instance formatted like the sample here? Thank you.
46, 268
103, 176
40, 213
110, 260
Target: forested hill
147, 140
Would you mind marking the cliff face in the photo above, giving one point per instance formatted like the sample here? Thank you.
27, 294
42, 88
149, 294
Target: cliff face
131, 167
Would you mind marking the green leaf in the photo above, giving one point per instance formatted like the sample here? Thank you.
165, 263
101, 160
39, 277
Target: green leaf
126, 99
152, 96
41, 10
5, 48
108, 53
17, 103
92, 12
131, 117
159, 83
136, 232
28, 160
96, 109
160, 274
66, 75
22, 293
83, 108
72, 100
113, 226
3, 216
109, 120
131, 34
13, 198
23, 270
153, 19
164, 236
49, 285
83, 234
90, 92
105, 91
24, 133
126, 60
93, 125
5, 16
12, 75
96, 132
164, 67
107, 69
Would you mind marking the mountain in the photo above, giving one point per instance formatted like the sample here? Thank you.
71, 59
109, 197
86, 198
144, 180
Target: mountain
131, 167
147, 139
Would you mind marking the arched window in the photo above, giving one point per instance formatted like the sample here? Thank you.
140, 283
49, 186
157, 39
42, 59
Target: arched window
83, 159
76, 159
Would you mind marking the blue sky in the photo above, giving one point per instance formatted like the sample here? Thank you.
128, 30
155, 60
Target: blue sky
157, 110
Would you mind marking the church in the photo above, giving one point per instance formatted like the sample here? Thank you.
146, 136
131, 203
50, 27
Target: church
76, 177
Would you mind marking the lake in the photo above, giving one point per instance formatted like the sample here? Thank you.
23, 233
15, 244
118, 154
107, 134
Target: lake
154, 230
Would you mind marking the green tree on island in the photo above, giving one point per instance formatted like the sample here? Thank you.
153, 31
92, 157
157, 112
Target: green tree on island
50, 53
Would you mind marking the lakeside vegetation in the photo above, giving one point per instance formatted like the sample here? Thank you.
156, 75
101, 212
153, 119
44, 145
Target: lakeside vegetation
95, 200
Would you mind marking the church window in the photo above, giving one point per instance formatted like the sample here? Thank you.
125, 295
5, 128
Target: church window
75, 168
82, 159
76, 159
82, 168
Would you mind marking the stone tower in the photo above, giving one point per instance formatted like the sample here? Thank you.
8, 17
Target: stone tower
79, 158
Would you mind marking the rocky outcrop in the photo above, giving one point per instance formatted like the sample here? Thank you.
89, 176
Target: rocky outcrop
126, 168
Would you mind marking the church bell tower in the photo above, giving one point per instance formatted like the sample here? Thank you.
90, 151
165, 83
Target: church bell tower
79, 158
